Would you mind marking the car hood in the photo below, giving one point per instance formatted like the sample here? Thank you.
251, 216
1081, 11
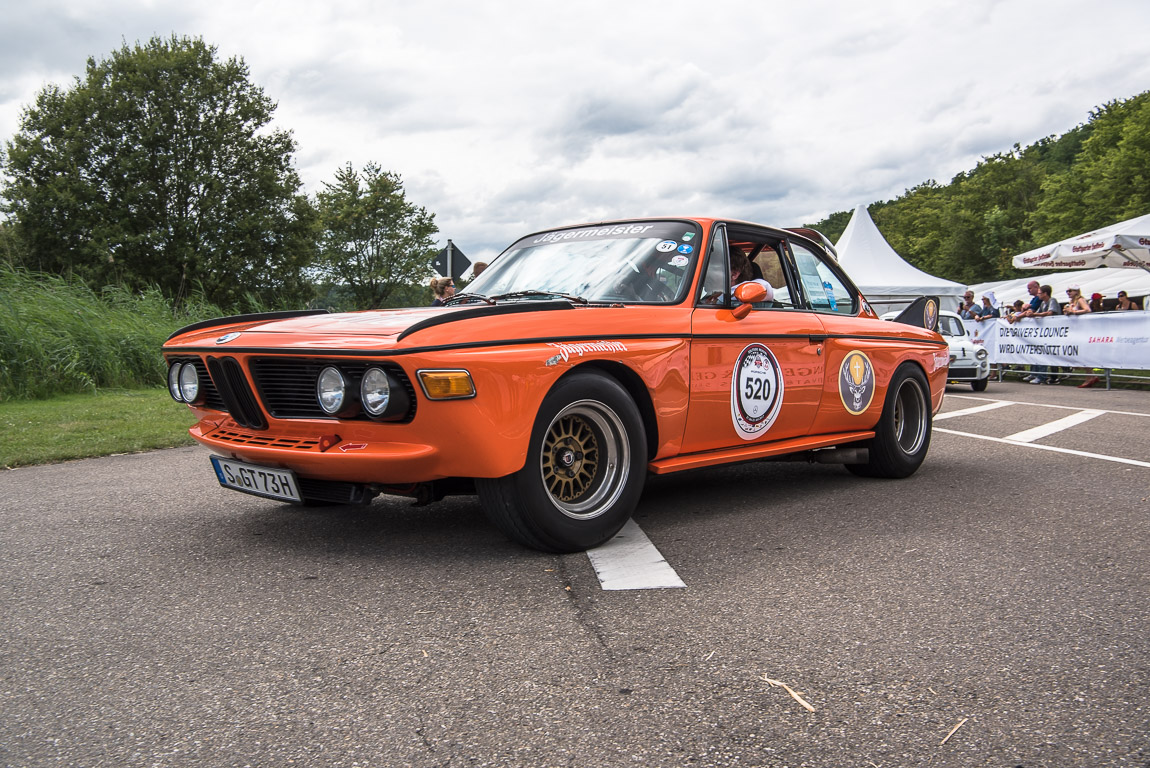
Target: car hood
960, 347
387, 322
385, 329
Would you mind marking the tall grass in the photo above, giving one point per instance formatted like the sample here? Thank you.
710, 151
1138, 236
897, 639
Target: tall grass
59, 336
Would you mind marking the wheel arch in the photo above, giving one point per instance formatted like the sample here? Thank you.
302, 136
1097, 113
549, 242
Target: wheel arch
636, 388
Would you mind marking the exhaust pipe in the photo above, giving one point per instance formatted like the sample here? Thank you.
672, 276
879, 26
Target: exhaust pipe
840, 456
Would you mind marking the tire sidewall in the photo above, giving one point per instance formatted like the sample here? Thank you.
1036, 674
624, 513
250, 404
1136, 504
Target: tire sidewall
888, 458
542, 517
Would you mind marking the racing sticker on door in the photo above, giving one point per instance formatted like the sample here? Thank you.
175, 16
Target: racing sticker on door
856, 382
756, 391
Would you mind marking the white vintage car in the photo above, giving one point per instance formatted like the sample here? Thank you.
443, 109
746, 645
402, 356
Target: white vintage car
968, 361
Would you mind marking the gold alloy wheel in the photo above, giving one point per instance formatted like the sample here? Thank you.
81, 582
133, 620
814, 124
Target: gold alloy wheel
584, 459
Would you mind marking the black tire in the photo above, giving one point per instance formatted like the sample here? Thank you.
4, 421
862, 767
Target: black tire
979, 385
902, 436
586, 466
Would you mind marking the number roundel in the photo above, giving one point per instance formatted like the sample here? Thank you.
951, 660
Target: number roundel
756, 391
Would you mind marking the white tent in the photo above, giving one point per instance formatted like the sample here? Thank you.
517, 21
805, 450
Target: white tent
887, 281
1105, 280
1125, 244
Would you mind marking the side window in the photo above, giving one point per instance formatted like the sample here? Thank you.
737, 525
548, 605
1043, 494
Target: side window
824, 290
771, 267
716, 282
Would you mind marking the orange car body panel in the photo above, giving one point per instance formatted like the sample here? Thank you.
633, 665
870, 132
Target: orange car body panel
678, 361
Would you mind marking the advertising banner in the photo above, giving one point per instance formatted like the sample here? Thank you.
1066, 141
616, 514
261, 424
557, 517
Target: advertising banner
1096, 340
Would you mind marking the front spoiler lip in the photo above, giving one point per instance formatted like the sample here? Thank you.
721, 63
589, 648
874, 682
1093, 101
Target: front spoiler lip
358, 462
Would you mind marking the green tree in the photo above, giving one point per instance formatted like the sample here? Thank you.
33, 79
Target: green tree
1110, 180
159, 168
373, 240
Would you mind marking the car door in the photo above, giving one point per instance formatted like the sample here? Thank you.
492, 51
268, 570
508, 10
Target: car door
758, 378
856, 350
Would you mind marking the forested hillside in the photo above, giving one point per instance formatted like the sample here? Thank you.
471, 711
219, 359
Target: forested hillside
1093, 175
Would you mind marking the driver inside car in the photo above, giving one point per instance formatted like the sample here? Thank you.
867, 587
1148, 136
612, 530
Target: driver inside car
741, 272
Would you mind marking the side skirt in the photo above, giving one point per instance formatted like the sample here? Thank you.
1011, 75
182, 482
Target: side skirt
753, 451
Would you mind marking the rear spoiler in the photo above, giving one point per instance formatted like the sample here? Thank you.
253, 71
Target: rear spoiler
922, 313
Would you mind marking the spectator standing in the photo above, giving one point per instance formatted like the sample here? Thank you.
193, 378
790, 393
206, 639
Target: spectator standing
1048, 306
1031, 288
1076, 304
443, 288
1096, 302
1125, 302
968, 310
989, 311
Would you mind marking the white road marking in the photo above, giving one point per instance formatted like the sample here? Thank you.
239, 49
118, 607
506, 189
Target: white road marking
630, 561
974, 409
1039, 446
1048, 405
1045, 430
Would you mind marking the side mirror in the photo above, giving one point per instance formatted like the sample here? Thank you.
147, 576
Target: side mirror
751, 292
748, 294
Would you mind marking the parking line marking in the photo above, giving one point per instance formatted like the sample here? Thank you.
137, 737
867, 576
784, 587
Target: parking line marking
1059, 425
631, 561
1049, 405
974, 409
1041, 447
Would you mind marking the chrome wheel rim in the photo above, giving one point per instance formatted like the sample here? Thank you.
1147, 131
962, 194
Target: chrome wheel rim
910, 417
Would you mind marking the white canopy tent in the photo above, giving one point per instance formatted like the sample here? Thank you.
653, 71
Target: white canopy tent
1124, 245
887, 281
1105, 280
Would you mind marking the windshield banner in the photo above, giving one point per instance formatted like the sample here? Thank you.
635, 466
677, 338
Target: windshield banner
1096, 340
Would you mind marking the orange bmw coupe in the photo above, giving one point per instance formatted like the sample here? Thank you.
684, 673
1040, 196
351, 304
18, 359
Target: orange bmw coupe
582, 359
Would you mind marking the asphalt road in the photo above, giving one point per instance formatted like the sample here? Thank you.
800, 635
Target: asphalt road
150, 618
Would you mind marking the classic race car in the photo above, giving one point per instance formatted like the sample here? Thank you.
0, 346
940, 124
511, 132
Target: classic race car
580, 360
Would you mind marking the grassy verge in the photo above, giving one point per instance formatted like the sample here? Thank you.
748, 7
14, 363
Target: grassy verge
81, 426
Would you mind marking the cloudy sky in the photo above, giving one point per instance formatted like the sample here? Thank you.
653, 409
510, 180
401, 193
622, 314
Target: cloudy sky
511, 116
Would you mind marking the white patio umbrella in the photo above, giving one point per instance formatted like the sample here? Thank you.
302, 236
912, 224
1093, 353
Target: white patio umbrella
1126, 244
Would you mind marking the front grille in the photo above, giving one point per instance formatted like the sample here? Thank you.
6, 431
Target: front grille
229, 379
287, 384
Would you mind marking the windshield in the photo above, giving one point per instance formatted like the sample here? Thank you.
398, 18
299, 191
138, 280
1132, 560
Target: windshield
644, 262
950, 326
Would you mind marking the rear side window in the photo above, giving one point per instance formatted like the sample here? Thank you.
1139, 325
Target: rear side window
825, 290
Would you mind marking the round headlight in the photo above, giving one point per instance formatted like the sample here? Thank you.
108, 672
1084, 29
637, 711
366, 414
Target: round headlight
375, 391
174, 383
981, 353
331, 390
189, 382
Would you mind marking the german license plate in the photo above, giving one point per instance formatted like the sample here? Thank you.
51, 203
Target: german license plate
261, 481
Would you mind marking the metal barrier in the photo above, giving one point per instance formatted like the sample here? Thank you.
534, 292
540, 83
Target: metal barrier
1102, 374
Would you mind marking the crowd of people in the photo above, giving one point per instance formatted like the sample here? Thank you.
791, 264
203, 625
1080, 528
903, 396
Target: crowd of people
1043, 304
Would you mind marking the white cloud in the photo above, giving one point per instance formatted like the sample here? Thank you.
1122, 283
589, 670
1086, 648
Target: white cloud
504, 118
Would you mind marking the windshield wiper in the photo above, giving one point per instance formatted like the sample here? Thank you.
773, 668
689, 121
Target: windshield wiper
461, 298
532, 294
